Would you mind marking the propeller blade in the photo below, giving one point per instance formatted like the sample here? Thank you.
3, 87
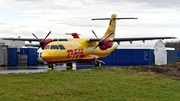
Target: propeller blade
47, 35
106, 49
94, 34
34, 35
38, 47
108, 36
96, 47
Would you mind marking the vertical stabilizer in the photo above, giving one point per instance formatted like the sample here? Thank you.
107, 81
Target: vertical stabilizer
112, 27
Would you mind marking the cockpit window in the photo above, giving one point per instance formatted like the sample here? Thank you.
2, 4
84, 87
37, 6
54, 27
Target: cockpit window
47, 47
57, 47
61, 47
54, 47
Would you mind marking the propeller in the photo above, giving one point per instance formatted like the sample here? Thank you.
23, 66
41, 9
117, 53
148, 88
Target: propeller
41, 42
101, 42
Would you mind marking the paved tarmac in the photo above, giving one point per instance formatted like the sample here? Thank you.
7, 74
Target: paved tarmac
39, 68
27, 69
22, 69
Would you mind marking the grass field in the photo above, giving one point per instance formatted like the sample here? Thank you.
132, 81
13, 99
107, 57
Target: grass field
113, 84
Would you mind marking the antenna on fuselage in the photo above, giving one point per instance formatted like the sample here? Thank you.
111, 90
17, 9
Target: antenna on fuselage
75, 35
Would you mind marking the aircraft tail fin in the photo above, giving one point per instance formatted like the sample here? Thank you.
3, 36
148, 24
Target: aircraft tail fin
112, 25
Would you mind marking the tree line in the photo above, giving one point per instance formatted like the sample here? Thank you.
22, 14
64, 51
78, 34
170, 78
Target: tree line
173, 44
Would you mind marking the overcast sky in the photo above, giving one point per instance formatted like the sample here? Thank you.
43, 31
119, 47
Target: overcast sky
23, 17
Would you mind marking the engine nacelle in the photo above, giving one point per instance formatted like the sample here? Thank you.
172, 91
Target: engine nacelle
105, 44
45, 42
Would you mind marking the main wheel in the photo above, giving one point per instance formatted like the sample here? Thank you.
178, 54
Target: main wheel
97, 65
69, 66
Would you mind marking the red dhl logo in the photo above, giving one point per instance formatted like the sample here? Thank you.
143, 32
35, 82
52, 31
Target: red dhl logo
75, 53
110, 31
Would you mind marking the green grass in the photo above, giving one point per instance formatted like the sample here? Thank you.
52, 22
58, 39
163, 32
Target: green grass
113, 84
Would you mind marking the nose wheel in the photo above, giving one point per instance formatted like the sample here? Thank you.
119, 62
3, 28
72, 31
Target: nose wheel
50, 66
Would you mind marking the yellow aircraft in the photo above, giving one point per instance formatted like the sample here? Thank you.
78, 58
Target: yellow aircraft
80, 50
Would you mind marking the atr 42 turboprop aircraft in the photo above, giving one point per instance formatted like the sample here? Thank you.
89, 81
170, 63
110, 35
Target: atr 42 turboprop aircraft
80, 50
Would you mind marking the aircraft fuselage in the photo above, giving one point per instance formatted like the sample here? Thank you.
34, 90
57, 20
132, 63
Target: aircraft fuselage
74, 50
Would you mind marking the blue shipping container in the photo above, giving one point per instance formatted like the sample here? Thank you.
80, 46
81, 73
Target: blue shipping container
12, 57
172, 56
178, 54
31, 55
130, 57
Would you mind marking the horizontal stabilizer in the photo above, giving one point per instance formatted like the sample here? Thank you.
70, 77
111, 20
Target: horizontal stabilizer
113, 18
71, 33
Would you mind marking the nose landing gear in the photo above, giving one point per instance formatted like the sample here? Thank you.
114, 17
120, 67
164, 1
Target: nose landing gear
51, 66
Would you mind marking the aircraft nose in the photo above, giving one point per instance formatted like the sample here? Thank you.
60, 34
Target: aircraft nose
45, 55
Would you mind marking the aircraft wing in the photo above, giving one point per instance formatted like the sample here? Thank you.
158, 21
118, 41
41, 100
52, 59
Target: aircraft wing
94, 39
31, 39
134, 39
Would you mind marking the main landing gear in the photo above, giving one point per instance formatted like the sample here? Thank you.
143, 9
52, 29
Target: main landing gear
71, 66
97, 63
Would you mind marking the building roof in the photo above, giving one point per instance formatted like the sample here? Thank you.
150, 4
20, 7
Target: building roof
140, 45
